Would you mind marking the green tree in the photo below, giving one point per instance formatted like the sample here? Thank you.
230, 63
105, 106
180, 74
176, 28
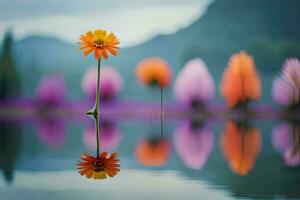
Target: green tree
10, 85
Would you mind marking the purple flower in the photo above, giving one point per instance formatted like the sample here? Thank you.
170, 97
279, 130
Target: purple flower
193, 144
51, 131
286, 140
51, 91
110, 137
111, 83
194, 83
286, 87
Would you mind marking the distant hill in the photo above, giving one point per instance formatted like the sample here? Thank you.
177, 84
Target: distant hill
267, 29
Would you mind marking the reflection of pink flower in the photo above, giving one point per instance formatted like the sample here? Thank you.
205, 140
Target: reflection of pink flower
51, 90
194, 83
111, 82
282, 138
110, 137
51, 131
286, 88
292, 156
286, 140
193, 145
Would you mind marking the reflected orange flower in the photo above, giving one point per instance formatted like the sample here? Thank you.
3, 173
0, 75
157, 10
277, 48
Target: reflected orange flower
240, 80
100, 42
240, 147
153, 152
153, 71
98, 168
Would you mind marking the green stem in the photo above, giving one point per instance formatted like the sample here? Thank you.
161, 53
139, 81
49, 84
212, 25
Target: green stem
97, 135
98, 89
95, 111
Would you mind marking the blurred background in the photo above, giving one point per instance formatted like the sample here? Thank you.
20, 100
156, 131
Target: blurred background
45, 88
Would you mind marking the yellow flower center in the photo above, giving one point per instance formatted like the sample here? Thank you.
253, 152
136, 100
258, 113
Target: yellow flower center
98, 165
99, 43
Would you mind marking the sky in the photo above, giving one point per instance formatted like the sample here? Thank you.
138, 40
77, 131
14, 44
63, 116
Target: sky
134, 21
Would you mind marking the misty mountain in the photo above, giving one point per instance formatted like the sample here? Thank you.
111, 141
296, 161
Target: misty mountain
267, 29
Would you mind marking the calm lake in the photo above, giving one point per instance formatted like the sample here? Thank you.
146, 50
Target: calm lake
190, 159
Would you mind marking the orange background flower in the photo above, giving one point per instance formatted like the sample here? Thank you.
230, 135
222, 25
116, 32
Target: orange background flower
240, 147
98, 168
153, 153
100, 42
240, 80
154, 71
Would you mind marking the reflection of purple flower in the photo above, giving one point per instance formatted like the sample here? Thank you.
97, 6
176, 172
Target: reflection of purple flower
111, 82
286, 87
110, 137
51, 131
194, 83
193, 145
282, 138
286, 140
292, 156
51, 91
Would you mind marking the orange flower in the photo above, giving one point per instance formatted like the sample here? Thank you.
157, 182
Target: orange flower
99, 168
153, 71
240, 80
100, 42
153, 153
240, 147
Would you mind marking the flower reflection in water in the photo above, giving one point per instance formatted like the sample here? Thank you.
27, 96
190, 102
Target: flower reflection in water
99, 167
286, 140
240, 144
153, 152
110, 136
51, 131
193, 142
102, 165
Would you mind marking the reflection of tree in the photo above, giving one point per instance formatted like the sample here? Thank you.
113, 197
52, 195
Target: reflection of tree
9, 78
10, 142
240, 144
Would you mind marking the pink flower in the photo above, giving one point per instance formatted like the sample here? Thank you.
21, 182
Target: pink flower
51, 91
110, 137
193, 144
194, 83
286, 87
111, 83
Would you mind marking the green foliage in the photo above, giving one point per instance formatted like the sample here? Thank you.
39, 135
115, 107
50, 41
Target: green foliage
9, 78
269, 56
